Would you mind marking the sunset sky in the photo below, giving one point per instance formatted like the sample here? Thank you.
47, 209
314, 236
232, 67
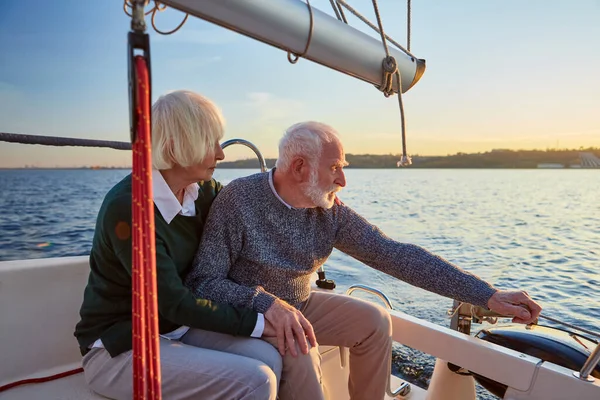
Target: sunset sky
500, 74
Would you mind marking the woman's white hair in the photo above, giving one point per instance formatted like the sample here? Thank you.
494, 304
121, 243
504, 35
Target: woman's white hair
304, 139
185, 127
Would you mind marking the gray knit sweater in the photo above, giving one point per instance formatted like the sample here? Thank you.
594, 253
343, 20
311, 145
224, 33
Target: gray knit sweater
254, 249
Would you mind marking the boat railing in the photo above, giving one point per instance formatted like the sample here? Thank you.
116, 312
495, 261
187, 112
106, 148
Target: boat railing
250, 145
404, 388
589, 365
78, 142
373, 291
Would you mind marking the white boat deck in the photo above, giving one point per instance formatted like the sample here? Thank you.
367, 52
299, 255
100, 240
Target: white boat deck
74, 388
58, 287
39, 304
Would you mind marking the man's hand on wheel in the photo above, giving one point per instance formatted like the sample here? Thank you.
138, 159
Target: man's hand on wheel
516, 303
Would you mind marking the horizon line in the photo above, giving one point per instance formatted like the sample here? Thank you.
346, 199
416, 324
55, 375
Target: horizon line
99, 166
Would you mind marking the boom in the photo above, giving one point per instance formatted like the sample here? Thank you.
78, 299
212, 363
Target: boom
285, 24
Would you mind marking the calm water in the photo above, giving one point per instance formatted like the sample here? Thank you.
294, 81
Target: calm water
536, 230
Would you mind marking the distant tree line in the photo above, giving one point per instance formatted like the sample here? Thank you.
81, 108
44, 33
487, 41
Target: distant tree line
490, 159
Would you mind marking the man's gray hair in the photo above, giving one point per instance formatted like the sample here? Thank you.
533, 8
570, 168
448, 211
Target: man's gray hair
304, 139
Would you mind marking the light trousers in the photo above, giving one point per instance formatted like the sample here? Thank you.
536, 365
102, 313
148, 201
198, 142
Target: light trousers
201, 365
340, 320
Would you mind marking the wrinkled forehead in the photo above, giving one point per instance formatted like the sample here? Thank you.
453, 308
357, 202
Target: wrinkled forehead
333, 154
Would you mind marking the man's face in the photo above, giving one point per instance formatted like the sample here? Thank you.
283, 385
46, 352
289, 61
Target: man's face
327, 177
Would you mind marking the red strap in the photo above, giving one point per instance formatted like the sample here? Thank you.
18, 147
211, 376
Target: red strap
146, 352
40, 380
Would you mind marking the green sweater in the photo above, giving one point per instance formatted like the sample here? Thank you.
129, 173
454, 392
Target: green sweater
106, 309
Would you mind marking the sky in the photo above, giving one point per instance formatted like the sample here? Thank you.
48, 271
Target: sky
500, 74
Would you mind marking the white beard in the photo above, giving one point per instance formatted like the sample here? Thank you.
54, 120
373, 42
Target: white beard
320, 198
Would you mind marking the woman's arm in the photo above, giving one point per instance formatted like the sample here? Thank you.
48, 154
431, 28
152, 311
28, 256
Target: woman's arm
176, 303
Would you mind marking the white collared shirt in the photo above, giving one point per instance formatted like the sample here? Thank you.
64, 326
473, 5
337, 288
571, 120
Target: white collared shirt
169, 207
167, 203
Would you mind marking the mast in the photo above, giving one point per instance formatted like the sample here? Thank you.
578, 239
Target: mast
286, 24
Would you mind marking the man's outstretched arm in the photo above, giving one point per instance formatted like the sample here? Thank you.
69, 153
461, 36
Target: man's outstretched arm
419, 267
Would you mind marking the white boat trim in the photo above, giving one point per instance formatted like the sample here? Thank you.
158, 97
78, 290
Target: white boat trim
510, 367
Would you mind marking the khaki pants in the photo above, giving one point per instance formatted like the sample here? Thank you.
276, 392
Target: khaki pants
339, 320
203, 365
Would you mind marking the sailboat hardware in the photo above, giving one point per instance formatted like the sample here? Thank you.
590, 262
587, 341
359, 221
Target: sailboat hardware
285, 24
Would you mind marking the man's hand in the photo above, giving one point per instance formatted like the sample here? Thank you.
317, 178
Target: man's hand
286, 322
269, 330
516, 303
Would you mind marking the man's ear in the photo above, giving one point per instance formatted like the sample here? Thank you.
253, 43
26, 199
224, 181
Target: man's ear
299, 168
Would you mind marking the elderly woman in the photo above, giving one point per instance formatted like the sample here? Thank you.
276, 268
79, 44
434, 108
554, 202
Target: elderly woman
206, 348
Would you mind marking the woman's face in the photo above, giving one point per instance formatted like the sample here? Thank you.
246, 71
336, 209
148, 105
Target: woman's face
204, 170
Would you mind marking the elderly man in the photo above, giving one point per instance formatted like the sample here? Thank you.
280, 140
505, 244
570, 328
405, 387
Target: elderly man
266, 235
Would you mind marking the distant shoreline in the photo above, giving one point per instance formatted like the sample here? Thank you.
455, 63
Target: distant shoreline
588, 158
495, 159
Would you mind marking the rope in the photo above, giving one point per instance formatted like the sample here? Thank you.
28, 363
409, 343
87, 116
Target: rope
571, 326
61, 141
390, 68
158, 7
372, 26
335, 6
290, 55
146, 352
405, 160
40, 380
381, 32
341, 10
389, 64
